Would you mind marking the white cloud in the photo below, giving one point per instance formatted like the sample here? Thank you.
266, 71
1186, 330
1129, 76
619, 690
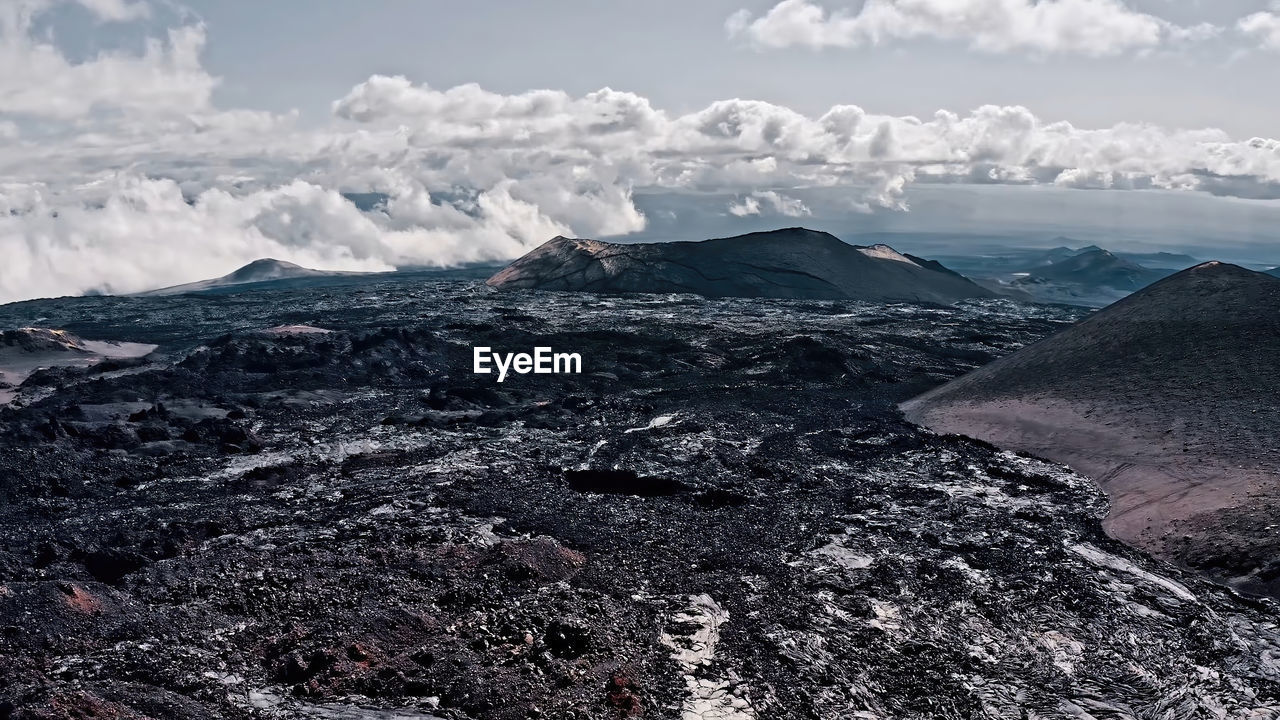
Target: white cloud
472, 175
745, 207
130, 188
36, 79
887, 191
1264, 27
146, 234
1084, 27
470, 113
117, 10
760, 200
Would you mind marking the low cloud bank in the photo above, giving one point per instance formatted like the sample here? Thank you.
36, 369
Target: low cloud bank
142, 182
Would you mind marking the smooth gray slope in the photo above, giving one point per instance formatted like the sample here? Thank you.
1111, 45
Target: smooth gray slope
1168, 399
790, 263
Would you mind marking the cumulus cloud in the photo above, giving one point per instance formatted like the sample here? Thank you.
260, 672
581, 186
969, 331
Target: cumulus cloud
148, 233
1085, 27
745, 207
770, 200
127, 189
37, 79
888, 190
1264, 27
471, 113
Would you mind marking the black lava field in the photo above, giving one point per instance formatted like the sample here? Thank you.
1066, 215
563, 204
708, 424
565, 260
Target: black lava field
724, 516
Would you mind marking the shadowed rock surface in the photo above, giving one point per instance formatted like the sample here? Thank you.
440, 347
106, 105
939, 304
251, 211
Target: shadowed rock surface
27, 351
791, 263
1168, 399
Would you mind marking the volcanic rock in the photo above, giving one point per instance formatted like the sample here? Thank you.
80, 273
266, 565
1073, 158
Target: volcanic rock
814, 556
791, 263
1167, 399
264, 270
32, 341
24, 351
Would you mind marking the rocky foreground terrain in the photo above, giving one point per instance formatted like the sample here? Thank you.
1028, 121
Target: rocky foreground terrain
304, 504
1166, 399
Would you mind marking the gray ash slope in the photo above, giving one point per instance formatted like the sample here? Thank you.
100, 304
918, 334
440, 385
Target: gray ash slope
790, 263
1168, 398
725, 517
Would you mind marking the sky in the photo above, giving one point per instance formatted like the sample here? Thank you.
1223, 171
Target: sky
146, 143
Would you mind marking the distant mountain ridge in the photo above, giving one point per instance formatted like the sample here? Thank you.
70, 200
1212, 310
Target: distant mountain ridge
1091, 276
787, 263
1161, 260
1093, 266
263, 270
1151, 260
269, 269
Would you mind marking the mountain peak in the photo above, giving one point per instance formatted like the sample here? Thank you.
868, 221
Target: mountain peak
262, 270
792, 262
1185, 296
270, 262
791, 234
266, 269
1219, 274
